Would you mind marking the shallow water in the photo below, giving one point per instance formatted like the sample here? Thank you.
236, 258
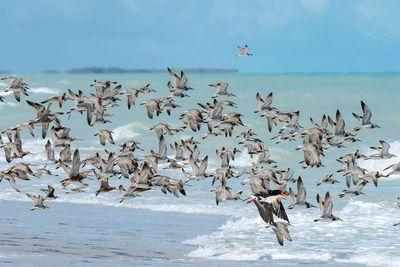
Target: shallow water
199, 231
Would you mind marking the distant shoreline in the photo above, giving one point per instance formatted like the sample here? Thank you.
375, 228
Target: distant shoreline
114, 70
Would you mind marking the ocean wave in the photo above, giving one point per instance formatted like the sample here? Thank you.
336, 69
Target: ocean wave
380, 164
247, 238
309, 256
244, 160
6, 93
8, 104
64, 82
44, 90
128, 131
373, 259
90, 199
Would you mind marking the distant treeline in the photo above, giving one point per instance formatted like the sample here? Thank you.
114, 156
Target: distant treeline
120, 70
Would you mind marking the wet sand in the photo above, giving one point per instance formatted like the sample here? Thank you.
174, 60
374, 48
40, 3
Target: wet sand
82, 235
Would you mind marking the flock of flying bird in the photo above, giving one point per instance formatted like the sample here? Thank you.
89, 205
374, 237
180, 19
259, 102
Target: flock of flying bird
267, 183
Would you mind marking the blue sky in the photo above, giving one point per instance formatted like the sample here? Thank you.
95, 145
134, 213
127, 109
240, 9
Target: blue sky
284, 35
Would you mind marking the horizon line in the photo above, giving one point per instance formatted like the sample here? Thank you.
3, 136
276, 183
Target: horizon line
198, 70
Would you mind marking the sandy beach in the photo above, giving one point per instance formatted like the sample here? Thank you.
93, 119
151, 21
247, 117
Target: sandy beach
80, 235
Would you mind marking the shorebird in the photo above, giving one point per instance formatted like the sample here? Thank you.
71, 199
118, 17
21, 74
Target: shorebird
281, 231
286, 175
264, 157
105, 135
338, 125
101, 86
162, 149
10, 177
257, 184
300, 197
60, 99
60, 136
13, 150
222, 89
133, 94
178, 151
49, 151
146, 89
43, 171
253, 145
77, 189
17, 86
325, 207
176, 92
393, 169
264, 104
223, 193
44, 116
65, 154
339, 135
130, 193
356, 191
49, 191
104, 185
193, 118
73, 172
180, 81
327, 179
353, 174
365, 119
168, 104
247, 134
244, 51
269, 206
173, 164
169, 184
152, 106
274, 116
383, 151
37, 202
198, 171
164, 128
311, 155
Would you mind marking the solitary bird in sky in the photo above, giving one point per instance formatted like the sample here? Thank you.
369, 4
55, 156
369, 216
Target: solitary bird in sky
244, 51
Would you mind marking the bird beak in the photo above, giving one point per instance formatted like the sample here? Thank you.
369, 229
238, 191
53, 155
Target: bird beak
249, 199
284, 195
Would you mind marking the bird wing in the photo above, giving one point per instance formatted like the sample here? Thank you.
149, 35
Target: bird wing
340, 124
162, 147
173, 75
301, 191
76, 163
203, 165
278, 234
328, 205
385, 147
320, 204
102, 138
366, 119
268, 100
265, 211
150, 110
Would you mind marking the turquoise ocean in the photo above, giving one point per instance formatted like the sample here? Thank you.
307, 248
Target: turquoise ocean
158, 230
